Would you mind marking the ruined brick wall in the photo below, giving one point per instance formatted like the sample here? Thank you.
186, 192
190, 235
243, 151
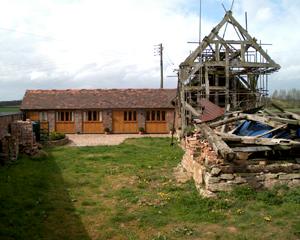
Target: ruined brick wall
107, 119
6, 120
212, 174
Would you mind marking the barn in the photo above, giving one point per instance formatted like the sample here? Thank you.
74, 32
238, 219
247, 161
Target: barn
97, 110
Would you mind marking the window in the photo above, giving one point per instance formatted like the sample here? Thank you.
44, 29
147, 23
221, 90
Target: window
163, 115
129, 116
65, 116
155, 115
148, 118
43, 116
93, 116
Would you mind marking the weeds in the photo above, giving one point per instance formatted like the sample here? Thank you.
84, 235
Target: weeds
128, 192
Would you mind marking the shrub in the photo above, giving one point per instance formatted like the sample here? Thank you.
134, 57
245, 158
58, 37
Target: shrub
106, 130
141, 129
56, 136
189, 130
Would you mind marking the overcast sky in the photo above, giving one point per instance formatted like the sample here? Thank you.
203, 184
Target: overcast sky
57, 44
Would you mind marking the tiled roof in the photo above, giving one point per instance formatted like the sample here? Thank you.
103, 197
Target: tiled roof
98, 98
211, 110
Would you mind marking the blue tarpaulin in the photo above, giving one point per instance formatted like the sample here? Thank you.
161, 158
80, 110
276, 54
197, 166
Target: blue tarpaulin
251, 128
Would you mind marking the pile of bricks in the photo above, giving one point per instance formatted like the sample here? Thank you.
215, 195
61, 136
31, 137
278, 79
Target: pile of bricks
23, 131
21, 139
10, 148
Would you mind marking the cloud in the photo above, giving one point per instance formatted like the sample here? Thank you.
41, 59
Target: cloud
110, 44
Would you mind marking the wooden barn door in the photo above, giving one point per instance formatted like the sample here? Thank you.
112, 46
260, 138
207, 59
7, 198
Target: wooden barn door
125, 121
156, 121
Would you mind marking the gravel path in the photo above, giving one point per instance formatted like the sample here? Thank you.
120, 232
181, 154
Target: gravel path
81, 140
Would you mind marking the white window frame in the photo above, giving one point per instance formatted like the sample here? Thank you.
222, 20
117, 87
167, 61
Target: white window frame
43, 116
85, 116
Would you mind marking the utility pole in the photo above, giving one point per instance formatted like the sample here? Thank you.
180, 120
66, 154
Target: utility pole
159, 51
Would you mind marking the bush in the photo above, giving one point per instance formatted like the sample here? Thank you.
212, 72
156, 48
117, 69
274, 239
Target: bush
141, 129
189, 130
106, 130
56, 136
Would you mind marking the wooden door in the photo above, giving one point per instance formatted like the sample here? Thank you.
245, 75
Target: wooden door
33, 116
156, 127
121, 125
156, 121
93, 127
65, 127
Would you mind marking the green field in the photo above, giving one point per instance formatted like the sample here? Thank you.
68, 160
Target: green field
10, 109
128, 192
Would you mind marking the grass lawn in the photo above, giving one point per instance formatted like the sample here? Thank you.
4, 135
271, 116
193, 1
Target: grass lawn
128, 192
10, 109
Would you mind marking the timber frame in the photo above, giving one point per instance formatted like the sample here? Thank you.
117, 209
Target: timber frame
230, 73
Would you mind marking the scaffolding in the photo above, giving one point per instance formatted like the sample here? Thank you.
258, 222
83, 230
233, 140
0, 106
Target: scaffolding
230, 73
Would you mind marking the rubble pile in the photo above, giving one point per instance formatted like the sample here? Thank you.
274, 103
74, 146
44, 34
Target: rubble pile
21, 139
267, 155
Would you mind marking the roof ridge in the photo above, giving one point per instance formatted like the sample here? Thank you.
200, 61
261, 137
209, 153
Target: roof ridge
99, 89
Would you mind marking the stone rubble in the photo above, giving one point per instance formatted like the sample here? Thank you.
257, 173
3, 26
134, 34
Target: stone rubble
212, 174
21, 139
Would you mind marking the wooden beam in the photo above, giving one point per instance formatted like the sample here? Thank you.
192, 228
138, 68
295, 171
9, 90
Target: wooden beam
226, 117
253, 41
272, 130
285, 120
192, 110
206, 84
293, 115
191, 58
227, 77
264, 120
252, 149
226, 121
259, 141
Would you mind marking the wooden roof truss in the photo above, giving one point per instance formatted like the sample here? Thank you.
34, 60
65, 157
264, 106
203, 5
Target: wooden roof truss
230, 72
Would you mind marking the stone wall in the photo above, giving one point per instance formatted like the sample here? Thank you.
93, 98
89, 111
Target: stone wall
107, 119
141, 118
78, 121
5, 122
170, 119
20, 139
212, 174
51, 120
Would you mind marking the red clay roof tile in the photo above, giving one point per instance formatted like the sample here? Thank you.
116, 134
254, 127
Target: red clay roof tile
98, 98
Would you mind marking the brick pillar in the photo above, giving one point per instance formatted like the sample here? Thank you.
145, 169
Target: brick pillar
51, 120
78, 121
141, 118
107, 119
